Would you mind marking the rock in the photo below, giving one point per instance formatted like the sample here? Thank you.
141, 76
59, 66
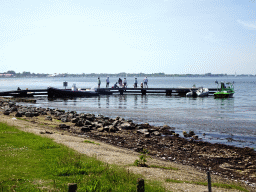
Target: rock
142, 131
28, 114
151, 130
79, 123
64, 119
112, 128
49, 118
35, 114
166, 127
145, 125
157, 133
98, 125
90, 117
43, 113
85, 129
74, 120
100, 129
48, 132
64, 126
125, 125
191, 133
18, 114
195, 137
115, 123
82, 115
185, 134
14, 108
6, 112
87, 122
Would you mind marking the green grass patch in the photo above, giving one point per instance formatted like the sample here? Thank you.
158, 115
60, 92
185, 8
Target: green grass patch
87, 141
21, 119
219, 185
33, 163
162, 167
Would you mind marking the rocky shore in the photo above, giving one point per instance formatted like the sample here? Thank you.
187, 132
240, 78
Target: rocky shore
160, 141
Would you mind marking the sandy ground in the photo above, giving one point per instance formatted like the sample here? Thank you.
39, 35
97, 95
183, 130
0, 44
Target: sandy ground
123, 157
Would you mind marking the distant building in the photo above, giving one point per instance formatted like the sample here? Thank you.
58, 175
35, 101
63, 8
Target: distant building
5, 75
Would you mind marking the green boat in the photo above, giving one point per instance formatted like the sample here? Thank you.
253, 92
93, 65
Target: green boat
225, 91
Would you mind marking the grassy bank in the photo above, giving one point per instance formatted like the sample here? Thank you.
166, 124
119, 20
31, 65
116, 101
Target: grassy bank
33, 163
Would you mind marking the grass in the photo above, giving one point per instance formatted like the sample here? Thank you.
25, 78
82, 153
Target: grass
33, 163
87, 141
21, 119
162, 167
220, 185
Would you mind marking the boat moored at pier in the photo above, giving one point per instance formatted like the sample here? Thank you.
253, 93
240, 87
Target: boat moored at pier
225, 90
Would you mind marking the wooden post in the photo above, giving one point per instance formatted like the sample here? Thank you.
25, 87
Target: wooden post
121, 92
168, 92
209, 181
72, 187
140, 185
143, 91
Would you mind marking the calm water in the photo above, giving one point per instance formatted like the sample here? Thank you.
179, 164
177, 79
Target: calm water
230, 121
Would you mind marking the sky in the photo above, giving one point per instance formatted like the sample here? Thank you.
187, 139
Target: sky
132, 36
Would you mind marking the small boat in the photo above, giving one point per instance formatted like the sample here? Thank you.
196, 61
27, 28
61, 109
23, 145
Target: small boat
62, 93
202, 92
192, 93
225, 91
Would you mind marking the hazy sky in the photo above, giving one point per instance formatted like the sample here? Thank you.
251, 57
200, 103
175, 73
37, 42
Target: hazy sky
133, 36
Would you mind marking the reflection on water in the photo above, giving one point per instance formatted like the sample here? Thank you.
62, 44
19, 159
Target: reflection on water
144, 101
135, 101
107, 101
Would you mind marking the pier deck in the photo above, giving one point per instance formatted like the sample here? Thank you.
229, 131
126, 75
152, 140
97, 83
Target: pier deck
143, 91
105, 91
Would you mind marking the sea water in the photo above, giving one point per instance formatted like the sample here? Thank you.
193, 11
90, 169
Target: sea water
229, 121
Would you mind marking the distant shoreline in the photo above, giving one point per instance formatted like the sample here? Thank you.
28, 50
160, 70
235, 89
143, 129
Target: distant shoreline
40, 75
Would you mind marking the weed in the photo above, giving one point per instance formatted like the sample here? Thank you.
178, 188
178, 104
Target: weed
162, 167
87, 141
141, 162
21, 119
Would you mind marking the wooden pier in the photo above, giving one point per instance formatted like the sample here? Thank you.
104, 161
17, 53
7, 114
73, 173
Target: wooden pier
108, 91
25, 93
144, 91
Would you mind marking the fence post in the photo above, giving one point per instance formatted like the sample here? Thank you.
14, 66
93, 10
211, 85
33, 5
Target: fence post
209, 181
72, 187
140, 185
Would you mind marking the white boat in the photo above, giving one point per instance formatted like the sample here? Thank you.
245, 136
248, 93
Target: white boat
202, 92
192, 93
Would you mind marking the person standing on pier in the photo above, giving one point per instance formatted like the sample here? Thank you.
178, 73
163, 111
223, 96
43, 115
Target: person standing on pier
99, 82
145, 82
120, 82
135, 83
107, 82
125, 83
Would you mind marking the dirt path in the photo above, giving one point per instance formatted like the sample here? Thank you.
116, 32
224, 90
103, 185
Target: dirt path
124, 157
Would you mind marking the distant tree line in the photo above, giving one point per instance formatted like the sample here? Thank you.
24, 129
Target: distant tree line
12, 73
